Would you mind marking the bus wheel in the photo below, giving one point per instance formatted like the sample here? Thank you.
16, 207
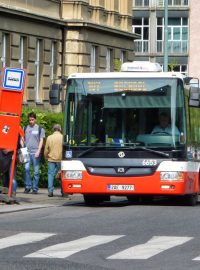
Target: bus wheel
190, 199
92, 200
133, 198
147, 199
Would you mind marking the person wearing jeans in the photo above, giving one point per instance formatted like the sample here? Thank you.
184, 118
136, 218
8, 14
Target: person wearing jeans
32, 184
34, 136
53, 153
53, 168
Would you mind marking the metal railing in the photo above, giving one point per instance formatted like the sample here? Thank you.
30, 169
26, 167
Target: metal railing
141, 46
174, 47
160, 3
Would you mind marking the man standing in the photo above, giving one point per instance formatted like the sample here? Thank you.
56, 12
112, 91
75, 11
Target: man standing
53, 153
34, 136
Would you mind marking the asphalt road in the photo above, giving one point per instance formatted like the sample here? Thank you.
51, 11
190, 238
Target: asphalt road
115, 235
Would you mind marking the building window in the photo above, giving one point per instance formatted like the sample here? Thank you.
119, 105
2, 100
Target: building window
53, 63
23, 52
109, 60
93, 59
123, 57
140, 3
178, 2
5, 56
177, 35
178, 68
174, 3
38, 66
141, 27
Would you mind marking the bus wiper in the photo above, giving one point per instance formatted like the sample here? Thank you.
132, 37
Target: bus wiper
150, 150
94, 148
89, 150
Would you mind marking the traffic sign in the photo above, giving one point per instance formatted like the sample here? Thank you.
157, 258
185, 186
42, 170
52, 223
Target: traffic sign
13, 79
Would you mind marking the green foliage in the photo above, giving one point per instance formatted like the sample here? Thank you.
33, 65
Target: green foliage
117, 64
172, 65
195, 126
193, 123
46, 120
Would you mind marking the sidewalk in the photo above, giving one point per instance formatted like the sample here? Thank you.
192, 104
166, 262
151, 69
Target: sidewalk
33, 201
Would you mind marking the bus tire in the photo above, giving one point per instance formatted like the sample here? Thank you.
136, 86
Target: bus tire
92, 200
147, 199
190, 199
133, 198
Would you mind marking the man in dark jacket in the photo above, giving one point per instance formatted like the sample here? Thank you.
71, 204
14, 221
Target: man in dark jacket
5, 161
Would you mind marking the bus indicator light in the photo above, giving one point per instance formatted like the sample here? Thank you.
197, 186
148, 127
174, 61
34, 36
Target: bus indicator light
171, 176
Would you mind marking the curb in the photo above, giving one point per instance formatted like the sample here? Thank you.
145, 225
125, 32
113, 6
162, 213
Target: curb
18, 208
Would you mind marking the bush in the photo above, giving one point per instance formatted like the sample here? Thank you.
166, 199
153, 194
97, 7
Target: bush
46, 120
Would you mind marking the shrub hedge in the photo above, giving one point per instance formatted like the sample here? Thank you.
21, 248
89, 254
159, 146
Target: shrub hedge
46, 120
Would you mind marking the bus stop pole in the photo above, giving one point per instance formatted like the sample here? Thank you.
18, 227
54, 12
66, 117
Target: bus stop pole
12, 171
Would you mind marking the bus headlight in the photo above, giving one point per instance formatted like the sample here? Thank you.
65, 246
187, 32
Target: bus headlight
73, 175
171, 176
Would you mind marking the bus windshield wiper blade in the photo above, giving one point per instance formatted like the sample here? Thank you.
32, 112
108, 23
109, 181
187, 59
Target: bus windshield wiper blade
89, 150
143, 148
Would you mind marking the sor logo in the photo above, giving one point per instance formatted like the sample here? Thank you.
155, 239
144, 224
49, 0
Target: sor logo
120, 170
121, 154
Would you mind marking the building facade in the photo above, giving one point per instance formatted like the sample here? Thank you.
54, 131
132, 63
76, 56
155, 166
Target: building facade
194, 38
53, 38
148, 22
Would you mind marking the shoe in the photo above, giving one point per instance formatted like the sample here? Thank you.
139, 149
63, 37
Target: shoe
34, 191
50, 194
27, 190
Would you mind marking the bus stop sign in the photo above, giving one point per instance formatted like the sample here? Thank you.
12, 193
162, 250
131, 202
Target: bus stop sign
13, 79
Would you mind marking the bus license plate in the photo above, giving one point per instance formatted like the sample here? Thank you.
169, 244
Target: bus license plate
121, 187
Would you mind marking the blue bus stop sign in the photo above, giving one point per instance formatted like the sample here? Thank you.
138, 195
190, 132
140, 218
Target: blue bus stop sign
13, 79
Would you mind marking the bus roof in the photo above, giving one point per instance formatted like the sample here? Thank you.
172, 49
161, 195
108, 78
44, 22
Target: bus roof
141, 66
126, 75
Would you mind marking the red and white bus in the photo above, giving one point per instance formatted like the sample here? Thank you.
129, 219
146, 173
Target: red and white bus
109, 144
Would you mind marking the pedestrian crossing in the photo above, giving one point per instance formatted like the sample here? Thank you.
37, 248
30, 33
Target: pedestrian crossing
65, 250
155, 245
22, 239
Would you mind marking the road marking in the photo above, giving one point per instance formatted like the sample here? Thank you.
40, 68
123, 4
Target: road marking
197, 258
23, 238
65, 250
154, 246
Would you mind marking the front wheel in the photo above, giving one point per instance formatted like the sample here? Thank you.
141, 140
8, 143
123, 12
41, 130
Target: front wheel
133, 199
190, 199
92, 200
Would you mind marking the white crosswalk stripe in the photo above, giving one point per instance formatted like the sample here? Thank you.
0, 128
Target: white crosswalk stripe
65, 250
154, 246
22, 238
197, 258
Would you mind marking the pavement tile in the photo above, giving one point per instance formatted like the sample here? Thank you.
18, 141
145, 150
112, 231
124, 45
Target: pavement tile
30, 201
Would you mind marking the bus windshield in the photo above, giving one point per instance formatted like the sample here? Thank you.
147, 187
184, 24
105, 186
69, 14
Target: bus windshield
122, 112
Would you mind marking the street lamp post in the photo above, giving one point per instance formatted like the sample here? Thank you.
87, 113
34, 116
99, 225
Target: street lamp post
166, 36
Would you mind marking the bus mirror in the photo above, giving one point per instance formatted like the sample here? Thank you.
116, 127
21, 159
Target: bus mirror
194, 97
192, 81
187, 80
54, 94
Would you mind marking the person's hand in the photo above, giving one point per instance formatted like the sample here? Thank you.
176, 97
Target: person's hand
37, 154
